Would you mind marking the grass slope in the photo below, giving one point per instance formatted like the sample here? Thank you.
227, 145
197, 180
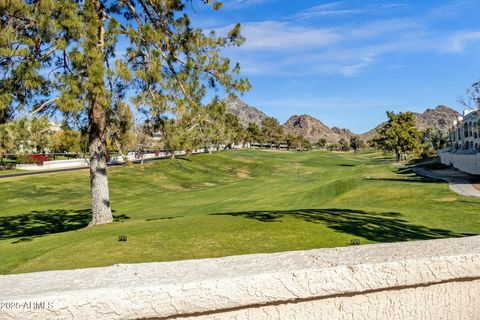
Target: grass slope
227, 203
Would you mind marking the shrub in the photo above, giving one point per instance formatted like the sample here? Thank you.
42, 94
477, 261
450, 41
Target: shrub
33, 159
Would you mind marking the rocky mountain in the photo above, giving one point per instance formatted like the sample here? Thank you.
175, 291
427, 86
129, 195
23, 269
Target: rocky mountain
441, 117
313, 129
243, 111
343, 133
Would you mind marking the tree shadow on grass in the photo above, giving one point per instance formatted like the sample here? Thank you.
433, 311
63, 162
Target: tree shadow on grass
407, 179
407, 175
39, 223
379, 227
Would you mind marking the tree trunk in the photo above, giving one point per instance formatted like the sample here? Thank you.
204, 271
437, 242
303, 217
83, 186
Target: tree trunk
101, 212
398, 155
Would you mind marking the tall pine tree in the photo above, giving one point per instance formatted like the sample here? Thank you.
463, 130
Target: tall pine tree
83, 57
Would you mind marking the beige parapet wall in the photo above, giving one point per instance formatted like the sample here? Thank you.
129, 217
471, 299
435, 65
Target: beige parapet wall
469, 163
54, 164
436, 279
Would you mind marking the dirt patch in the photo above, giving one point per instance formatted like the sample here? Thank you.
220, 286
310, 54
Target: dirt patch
246, 160
447, 199
174, 188
209, 184
243, 173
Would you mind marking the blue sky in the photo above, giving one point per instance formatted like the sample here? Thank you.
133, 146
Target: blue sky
347, 62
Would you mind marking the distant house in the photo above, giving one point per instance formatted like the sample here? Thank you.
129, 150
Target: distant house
465, 133
463, 151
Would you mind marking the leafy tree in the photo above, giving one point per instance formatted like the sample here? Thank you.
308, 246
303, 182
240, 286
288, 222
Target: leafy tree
175, 135
236, 133
25, 135
68, 141
254, 134
66, 55
343, 144
356, 143
120, 131
322, 142
399, 134
39, 134
272, 131
213, 128
432, 140
332, 147
8, 139
297, 143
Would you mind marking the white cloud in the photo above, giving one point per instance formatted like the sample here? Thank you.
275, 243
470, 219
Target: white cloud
457, 42
288, 49
273, 35
235, 4
297, 48
329, 9
344, 8
452, 9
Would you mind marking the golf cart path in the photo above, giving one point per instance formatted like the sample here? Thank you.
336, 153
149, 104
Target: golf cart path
457, 181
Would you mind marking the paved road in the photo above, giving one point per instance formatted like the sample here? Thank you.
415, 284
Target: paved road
455, 182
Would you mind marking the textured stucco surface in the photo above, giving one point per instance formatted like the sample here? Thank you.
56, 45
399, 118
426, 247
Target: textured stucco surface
469, 163
437, 279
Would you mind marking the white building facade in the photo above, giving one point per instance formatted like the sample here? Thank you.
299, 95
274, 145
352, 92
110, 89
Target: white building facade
465, 133
463, 150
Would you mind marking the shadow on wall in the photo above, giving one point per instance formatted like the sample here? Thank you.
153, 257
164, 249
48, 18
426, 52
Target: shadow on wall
379, 227
39, 223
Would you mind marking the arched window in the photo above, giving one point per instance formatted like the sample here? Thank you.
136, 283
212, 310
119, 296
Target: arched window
476, 146
465, 130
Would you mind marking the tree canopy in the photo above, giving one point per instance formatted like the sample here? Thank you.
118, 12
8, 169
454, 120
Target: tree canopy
83, 58
399, 135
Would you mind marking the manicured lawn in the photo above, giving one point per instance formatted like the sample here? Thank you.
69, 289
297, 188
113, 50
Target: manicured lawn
227, 203
8, 171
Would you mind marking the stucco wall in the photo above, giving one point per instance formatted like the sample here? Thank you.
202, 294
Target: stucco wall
437, 279
54, 164
469, 163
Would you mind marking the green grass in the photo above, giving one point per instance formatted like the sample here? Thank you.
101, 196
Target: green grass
9, 171
223, 204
